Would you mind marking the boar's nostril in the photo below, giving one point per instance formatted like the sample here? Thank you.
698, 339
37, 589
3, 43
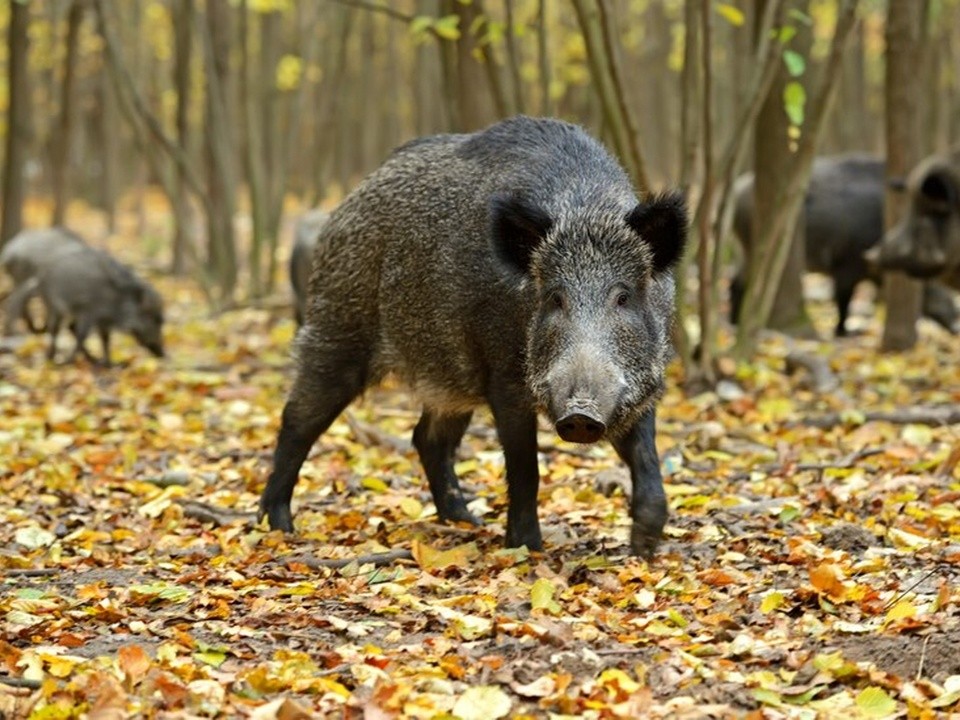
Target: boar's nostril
580, 428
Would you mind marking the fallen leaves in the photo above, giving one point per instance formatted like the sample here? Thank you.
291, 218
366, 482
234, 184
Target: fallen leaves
805, 571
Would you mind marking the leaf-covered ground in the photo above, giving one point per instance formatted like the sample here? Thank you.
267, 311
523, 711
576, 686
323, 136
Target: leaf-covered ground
811, 565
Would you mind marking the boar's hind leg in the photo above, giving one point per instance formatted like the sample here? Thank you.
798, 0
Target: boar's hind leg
436, 438
81, 329
517, 430
648, 504
320, 393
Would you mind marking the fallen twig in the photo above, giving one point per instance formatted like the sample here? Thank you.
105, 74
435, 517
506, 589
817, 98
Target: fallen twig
218, 516
844, 463
20, 682
939, 415
368, 434
384, 558
31, 572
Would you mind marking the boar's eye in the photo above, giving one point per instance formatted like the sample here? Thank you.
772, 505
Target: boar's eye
555, 300
620, 296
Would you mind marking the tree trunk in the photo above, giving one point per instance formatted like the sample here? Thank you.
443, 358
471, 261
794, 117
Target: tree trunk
222, 252
902, 295
762, 286
543, 59
183, 52
62, 144
18, 122
772, 162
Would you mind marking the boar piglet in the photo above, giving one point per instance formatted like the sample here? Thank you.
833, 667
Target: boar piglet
513, 267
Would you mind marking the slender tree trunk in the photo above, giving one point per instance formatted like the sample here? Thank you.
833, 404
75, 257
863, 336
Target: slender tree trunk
513, 60
183, 55
902, 295
18, 122
708, 244
62, 144
543, 59
108, 137
222, 253
250, 80
773, 160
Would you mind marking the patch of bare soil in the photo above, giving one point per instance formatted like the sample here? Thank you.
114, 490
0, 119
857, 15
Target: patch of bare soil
935, 656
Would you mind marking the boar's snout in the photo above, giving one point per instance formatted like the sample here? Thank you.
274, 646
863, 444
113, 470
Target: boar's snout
580, 425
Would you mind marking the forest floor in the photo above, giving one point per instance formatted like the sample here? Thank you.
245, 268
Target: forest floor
810, 566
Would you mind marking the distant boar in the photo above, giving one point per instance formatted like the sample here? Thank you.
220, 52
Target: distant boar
926, 242
843, 218
305, 233
513, 267
24, 255
92, 290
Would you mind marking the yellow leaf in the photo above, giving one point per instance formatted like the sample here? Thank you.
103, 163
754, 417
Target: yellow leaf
289, 70
901, 611
541, 596
771, 602
429, 558
374, 483
411, 507
483, 702
731, 14
874, 702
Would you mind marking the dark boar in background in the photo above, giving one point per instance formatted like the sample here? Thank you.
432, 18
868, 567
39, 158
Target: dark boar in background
926, 242
843, 219
513, 267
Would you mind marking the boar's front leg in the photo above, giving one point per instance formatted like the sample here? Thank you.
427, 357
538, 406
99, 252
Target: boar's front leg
517, 430
436, 438
648, 503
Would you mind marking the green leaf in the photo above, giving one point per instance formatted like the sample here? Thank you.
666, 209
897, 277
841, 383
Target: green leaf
794, 62
448, 27
794, 99
785, 34
801, 16
420, 24
731, 14
874, 702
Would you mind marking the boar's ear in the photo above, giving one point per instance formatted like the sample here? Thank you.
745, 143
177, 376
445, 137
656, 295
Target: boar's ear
517, 227
661, 222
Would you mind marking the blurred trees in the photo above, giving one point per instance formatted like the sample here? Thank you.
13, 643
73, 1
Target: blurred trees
233, 109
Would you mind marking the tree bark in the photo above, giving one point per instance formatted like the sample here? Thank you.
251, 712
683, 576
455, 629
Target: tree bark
62, 144
902, 295
222, 252
183, 56
772, 165
18, 122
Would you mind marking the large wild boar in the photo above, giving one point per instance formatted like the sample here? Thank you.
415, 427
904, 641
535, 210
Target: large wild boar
513, 267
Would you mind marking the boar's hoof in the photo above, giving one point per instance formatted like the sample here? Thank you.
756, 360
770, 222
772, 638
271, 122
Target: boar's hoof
579, 427
278, 515
529, 536
643, 543
459, 513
